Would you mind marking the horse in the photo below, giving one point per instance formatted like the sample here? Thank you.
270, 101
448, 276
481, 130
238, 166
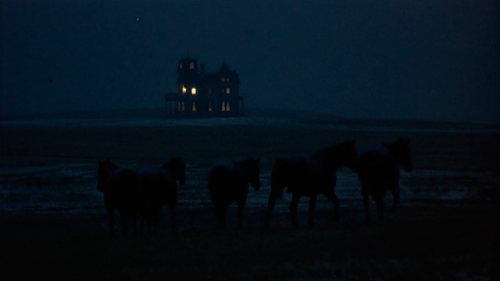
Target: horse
120, 188
228, 182
310, 177
378, 172
159, 188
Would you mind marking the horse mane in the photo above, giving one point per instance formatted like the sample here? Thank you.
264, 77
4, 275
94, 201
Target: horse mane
109, 164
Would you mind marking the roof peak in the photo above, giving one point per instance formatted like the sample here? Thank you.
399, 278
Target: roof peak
224, 68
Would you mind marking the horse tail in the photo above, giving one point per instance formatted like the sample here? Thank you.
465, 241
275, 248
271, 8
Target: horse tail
211, 179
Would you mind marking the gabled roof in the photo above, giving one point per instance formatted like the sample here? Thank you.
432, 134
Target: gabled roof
224, 69
188, 59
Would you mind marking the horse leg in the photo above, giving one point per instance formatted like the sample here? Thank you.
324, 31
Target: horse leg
270, 206
171, 208
312, 205
156, 219
223, 216
241, 205
111, 220
293, 208
380, 208
148, 216
143, 216
332, 197
123, 222
366, 203
395, 193
220, 215
134, 217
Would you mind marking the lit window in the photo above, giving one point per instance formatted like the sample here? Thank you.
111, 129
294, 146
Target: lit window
223, 106
193, 91
228, 91
223, 79
209, 106
193, 107
210, 91
180, 65
227, 106
184, 89
178, 106
191, 65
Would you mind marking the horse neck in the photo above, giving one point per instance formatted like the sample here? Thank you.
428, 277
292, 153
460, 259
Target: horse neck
392, 154
110, 170
104, 177
242, 167
169, 171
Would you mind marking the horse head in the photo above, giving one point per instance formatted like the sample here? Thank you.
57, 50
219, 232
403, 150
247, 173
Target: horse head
104, 171
251, 170
177, 168
400, 151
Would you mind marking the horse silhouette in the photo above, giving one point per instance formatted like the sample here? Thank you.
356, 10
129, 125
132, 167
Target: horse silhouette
310, 177
159, 188
378, 172
228, 182
121, 193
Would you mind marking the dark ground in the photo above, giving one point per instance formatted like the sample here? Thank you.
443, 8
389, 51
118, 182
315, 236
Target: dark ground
430, 237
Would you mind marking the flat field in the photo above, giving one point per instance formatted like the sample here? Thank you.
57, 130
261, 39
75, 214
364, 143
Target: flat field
53, 224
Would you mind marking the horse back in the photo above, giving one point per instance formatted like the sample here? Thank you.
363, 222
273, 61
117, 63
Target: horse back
291, 173
377, 167
157, 187
122, 188
226, 181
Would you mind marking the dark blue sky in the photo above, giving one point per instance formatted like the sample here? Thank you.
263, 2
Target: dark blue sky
401, 59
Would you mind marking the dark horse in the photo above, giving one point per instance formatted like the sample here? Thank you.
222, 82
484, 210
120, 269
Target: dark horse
228, 182
120, 188
310, 177
378, 172
159, 188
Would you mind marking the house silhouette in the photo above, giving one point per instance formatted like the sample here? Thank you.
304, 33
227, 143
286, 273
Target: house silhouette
202, 94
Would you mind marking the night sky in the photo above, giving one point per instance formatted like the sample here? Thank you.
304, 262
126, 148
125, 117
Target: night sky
401, 59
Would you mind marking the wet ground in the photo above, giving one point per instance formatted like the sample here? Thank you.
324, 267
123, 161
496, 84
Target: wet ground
71, 189
53, 224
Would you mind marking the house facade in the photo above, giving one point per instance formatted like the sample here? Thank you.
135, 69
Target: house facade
202, 94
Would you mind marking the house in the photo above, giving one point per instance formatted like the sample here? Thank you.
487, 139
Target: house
202, 94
